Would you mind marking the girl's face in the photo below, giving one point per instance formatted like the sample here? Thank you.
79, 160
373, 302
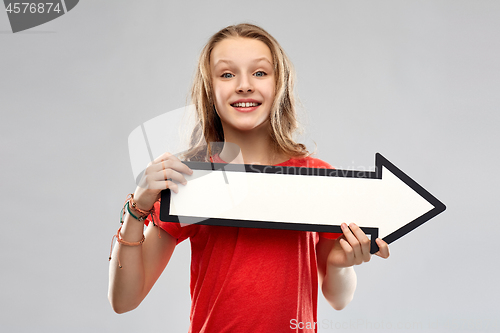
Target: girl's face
243, 83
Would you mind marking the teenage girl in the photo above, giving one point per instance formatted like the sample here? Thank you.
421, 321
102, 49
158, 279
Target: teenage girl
242, 279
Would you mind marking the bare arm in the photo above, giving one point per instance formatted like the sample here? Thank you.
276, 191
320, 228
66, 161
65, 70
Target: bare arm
336, 259
337, 283
143, 264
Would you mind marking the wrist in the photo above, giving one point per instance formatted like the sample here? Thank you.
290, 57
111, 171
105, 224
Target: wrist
143, 200
135, 213
140, 206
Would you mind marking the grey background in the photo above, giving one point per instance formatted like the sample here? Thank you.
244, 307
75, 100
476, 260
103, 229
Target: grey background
417, 81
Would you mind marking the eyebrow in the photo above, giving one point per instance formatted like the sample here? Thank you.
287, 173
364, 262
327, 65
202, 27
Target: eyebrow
254, 61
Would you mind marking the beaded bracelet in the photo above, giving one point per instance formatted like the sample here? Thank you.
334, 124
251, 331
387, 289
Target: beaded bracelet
138, 218
120, 240
134, 205
130, 201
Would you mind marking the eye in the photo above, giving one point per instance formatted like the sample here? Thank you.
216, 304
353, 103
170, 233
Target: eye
227, 75
260, 74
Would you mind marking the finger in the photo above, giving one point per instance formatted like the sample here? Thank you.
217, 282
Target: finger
172, 186
348, 250
162, 185
162, 157
363, 240
173, 163
353, 241
169, 174
383, 249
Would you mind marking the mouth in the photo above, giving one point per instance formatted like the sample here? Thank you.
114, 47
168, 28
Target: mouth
245, 105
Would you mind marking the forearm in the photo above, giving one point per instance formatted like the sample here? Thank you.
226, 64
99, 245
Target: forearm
126, 284
141, 265
338, 286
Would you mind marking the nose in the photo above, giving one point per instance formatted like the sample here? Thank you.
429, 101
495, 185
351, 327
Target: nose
244, 84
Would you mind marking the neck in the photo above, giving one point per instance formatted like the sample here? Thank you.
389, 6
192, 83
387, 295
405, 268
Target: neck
250, 147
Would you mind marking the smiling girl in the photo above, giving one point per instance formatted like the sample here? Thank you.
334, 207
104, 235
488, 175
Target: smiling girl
242, 279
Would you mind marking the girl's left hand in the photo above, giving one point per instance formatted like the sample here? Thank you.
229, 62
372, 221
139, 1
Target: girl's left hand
353, 248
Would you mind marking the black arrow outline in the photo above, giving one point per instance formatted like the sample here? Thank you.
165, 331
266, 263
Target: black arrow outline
380, 162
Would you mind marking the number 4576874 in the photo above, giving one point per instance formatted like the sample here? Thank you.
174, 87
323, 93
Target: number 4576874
32, 7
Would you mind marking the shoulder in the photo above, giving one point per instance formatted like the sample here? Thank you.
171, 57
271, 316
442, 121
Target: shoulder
308, 162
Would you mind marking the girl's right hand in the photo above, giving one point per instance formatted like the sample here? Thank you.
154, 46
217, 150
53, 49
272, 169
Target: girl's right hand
164, 172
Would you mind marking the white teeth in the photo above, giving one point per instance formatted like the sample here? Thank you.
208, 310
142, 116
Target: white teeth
244, 105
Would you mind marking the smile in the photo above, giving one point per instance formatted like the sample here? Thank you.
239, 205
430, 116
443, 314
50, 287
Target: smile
244, 105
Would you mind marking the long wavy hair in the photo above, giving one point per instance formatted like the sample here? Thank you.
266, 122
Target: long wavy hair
283, 115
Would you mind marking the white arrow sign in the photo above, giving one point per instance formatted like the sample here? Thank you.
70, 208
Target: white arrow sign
385, 203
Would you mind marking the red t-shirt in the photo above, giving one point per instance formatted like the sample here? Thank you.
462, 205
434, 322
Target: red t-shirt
251, 280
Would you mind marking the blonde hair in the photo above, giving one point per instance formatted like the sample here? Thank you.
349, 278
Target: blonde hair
283, 115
